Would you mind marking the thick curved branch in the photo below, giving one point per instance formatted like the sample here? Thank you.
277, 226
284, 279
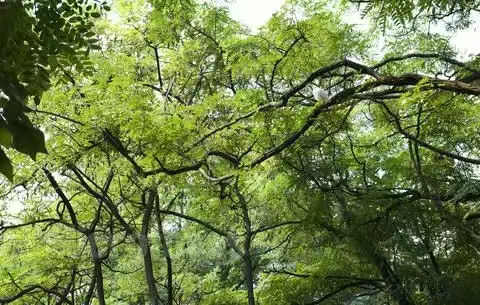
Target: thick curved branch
325, 70
426, 55
172, 172
229, 157
291, 93
64, 198
17, 296
309, 123
409, 136
117, 144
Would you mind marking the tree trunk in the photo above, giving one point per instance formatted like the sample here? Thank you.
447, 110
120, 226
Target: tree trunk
145, 246
91, 288
97, 268
166, 253
248, 271
247, 258
148, 267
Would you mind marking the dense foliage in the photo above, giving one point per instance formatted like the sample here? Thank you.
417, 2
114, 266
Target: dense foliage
192, 161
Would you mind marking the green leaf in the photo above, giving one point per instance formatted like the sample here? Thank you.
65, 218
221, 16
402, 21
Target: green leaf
6, 138
75, 19
6, 166
28, 139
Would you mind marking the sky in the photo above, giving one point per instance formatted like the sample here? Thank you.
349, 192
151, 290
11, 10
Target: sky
255, 13
468, 41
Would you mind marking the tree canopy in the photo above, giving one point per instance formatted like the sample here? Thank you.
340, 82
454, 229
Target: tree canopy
192, 160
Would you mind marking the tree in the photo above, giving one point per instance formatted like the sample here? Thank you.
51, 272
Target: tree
204, 164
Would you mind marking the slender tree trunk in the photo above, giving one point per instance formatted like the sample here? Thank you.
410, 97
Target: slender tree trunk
97, 268
247, 257
148, 266
166, 253
145, 247
91, 289
248, 273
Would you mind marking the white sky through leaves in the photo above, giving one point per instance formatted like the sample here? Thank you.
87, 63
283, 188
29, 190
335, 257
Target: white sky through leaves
255, 13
